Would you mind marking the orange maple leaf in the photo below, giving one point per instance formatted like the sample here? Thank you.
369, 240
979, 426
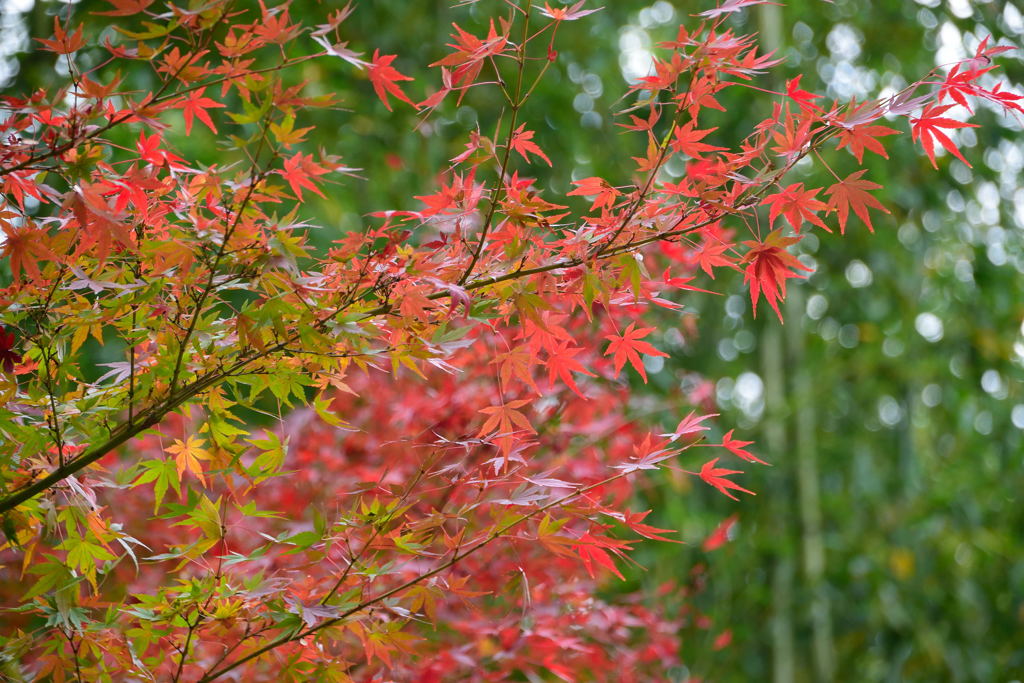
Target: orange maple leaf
384, 78
852, 193
859, 138
505, 418
686, 140
25, 246
522, 142
187, 455
594, 186
62, 43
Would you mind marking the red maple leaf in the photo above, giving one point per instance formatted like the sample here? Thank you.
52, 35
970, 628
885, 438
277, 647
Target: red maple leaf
793, 139
720, 536
682, 283
8, 356
803, 98
628, 346
711, 255
634, 520
561, 364
736, 447
851, 192
522, 142
928, 127
384, 78
594, 550
195, 105
716, 476
149, 150
769, 266
797, 205
686, 141
298, 170
470, 53
960, 84
275, 25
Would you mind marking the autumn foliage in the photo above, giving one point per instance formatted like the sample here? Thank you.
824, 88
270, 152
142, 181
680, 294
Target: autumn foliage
413, 456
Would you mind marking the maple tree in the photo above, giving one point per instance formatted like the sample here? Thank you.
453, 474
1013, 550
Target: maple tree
448, 384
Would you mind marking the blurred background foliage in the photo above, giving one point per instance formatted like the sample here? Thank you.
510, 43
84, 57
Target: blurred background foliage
885, 542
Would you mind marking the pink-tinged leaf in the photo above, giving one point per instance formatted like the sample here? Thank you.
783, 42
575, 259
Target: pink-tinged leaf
341, 51
903, 103
647, 455
860, 114
691, 424
732, 6
571, 13
551, 482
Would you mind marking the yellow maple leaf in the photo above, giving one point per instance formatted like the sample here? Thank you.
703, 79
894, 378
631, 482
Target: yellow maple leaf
187, 456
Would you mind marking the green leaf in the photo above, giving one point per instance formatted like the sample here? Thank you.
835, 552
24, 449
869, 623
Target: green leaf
162, 473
